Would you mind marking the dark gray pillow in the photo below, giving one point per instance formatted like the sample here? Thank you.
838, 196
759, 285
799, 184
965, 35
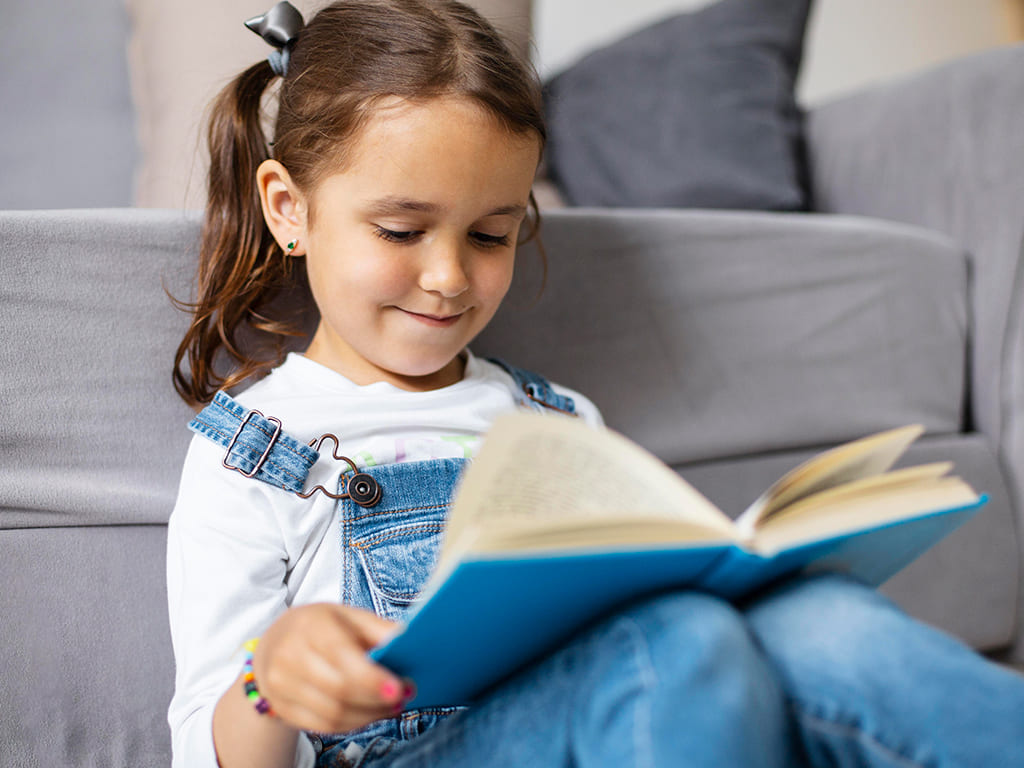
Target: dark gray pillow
696, 111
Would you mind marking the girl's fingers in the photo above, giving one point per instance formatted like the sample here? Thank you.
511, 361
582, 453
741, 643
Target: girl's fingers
316, 673
325, 715
355, 677
321, 698
366, 626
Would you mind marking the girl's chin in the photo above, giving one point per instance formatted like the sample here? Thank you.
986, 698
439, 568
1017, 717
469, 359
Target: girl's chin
427, 375
449, 372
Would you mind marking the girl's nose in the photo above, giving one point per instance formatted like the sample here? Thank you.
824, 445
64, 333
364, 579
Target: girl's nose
443, 271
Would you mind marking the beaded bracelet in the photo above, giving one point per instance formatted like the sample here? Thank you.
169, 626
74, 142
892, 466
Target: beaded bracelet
251, 692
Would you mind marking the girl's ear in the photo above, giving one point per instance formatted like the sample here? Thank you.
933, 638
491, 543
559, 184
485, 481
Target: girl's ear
284, 207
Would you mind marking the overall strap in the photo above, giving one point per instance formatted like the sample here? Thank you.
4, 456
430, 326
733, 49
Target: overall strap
256, 445
537, 391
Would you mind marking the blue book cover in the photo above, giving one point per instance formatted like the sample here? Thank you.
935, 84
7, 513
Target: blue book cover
514, 584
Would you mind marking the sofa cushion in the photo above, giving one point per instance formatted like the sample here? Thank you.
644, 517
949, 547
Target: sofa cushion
705, 335
695, 111
85, 647
92, 430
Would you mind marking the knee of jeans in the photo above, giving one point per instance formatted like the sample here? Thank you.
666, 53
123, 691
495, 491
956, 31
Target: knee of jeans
702, 626
829, 616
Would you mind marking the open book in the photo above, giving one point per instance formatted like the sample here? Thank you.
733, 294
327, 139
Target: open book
555, 523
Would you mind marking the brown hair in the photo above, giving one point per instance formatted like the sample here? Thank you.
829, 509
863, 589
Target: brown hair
350, 55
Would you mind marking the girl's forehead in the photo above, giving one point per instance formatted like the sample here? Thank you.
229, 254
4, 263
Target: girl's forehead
394, 116
441, 146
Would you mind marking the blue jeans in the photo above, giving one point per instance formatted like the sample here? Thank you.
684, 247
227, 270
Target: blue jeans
821, 671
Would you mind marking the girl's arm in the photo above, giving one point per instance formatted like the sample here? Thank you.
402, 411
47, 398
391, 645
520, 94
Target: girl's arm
312, 666
235, 549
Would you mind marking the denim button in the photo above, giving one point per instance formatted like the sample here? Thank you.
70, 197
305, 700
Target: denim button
364, 490
318, 745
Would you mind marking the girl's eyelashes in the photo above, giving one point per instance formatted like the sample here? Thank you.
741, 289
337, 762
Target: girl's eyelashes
490, 241
404, 237
396, 236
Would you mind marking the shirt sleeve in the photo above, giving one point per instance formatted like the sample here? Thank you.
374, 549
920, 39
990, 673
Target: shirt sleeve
227, 564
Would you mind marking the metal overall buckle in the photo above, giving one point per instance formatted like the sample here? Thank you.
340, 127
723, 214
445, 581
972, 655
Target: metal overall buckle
362, 488
270, 444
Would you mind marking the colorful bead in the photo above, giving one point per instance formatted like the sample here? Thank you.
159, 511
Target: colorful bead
249, 679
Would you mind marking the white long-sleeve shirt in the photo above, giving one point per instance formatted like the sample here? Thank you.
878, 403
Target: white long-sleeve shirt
240, 551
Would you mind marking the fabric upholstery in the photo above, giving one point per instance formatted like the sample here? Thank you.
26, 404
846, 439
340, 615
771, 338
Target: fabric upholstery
85, 650
697, 111
92, 430
943, 150
751, 332
67, 136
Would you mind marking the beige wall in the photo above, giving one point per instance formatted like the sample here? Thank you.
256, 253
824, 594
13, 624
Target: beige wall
850, 43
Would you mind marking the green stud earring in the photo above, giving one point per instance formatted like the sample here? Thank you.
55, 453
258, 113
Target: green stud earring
291, 247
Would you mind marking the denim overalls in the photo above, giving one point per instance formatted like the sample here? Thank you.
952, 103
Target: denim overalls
391, 518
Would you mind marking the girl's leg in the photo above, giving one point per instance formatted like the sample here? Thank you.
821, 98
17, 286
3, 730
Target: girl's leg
675, 680
870, 686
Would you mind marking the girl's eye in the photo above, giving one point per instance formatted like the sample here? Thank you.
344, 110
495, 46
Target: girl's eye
490, 241
393, 236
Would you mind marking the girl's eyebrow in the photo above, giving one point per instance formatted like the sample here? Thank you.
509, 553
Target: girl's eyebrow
393, 204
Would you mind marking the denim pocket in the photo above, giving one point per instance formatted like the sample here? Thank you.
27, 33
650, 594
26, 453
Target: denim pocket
398, 561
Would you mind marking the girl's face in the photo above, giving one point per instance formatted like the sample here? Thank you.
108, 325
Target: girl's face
410, 248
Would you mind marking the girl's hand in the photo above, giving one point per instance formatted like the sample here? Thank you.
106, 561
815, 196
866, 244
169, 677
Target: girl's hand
311, 665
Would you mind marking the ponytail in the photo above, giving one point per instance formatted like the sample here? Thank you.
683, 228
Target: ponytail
241, 267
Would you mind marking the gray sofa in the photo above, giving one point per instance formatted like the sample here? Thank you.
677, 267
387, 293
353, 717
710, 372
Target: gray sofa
732, 344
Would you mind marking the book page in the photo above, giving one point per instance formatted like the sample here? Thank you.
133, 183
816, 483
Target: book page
537, 468
922, 474
609, 533
868, 456
846, 513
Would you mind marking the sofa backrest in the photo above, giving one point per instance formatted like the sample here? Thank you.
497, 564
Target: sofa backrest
701, 335
91, 444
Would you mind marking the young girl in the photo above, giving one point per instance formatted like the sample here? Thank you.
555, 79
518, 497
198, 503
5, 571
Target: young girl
395, 188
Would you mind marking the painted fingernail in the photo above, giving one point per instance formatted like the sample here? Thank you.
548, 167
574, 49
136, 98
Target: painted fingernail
389, 689
408, 690
397, 709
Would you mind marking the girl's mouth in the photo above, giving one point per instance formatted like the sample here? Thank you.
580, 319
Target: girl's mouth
434, 321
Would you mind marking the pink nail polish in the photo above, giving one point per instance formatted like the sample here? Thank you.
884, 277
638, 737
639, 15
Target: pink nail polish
389, 689
408, 690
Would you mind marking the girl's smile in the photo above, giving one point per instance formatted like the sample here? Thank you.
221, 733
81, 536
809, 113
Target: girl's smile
410, 246
436, 321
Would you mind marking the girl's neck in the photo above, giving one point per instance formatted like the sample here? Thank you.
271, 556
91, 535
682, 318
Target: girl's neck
452, 373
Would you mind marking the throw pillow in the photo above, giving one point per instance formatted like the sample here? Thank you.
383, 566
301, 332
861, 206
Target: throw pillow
696, 111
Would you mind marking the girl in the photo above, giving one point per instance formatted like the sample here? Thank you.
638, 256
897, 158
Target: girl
395, 188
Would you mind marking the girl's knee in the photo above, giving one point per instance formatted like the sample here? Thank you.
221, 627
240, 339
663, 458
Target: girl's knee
824, 606
683, 646
705, 631
830, 625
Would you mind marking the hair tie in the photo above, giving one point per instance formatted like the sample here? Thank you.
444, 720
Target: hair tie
280, 26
